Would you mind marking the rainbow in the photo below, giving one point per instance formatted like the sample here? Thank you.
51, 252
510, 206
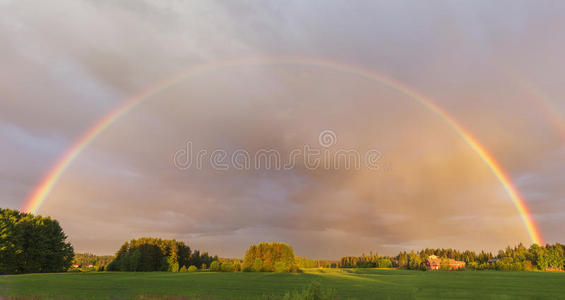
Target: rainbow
552, 113
43, 189
550, 110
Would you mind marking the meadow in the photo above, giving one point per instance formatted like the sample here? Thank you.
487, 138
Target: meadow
347, 283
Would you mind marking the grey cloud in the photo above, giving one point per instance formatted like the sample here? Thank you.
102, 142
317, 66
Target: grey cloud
67, 65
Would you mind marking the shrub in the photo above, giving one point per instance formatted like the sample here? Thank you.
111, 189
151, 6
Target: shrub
227, 267
236, 267
203, 267
384, 263
293, 269
192, 269
215, 266
528, 266
183, 269
174, 267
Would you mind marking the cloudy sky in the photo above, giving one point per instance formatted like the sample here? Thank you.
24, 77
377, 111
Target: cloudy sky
496, 67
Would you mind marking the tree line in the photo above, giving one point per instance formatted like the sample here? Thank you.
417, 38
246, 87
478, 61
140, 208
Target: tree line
366, 261
518, 258
306, 263
34, 244
91, 262
153, 254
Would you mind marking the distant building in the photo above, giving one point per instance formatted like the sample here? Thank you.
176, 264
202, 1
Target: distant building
434, 263
493, 260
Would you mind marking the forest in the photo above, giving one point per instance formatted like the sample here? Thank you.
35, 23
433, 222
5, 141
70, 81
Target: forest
519, 258
91, 262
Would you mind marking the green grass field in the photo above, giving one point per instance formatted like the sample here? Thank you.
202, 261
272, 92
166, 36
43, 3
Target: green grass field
348, 283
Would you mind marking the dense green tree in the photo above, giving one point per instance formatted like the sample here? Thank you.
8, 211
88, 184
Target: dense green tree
32, 244
151, 254
227, 267
215, 266
414, 261
257, 265
402, 260
192, 269
269, 254
281, 267
198, 259
237, 266
384, 263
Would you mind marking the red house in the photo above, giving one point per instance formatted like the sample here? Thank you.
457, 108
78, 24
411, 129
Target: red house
434, 263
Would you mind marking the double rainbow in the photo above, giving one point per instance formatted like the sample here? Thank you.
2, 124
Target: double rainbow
43, 189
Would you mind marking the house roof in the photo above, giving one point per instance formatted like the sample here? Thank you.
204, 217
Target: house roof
434, 261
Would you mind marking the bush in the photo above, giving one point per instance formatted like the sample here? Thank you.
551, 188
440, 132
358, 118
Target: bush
294, 269
384, 263
236, 267
215, 266
227, 267
528, 266
183, 269
192, 269
203, 267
